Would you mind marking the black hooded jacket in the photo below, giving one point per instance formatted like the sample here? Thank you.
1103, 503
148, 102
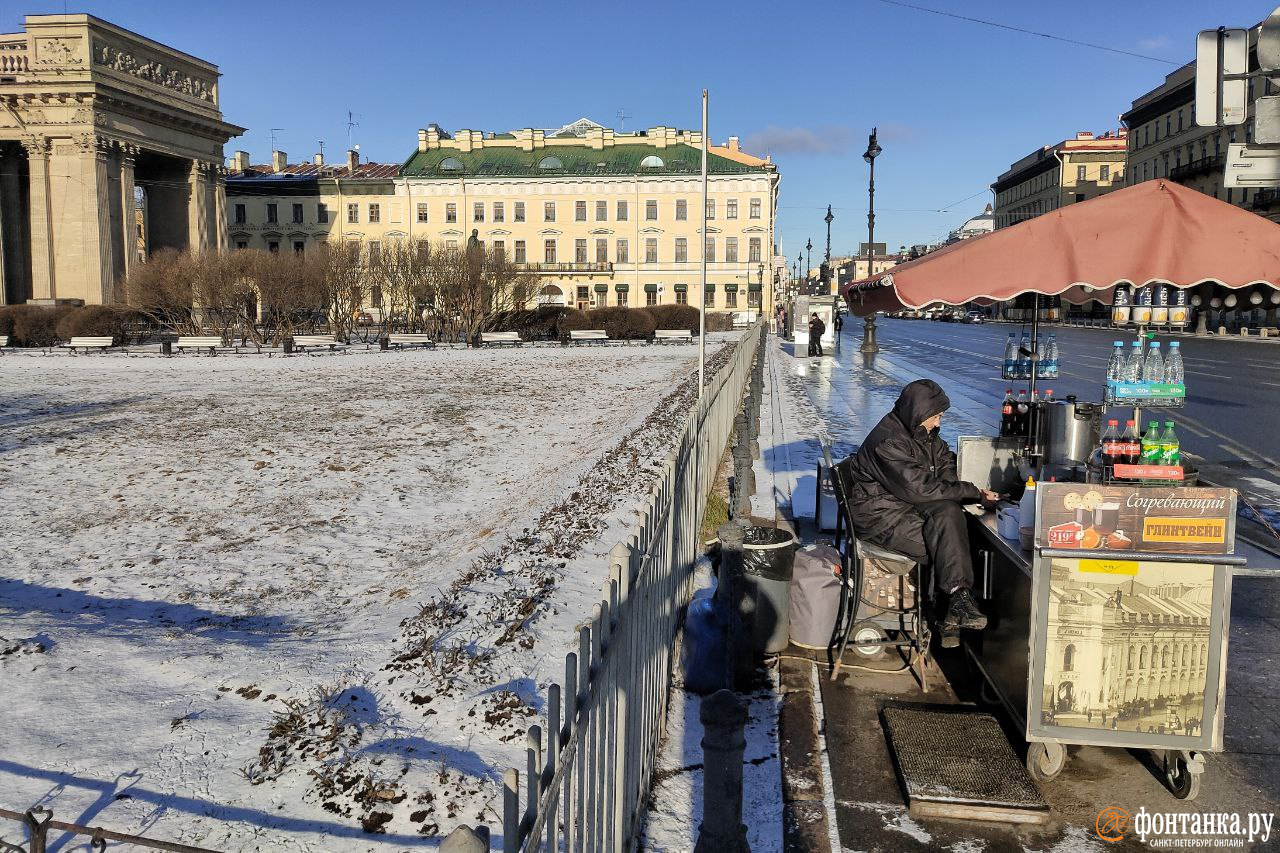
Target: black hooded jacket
901, 465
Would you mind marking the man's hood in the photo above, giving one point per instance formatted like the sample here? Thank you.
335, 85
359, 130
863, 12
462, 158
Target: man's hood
920, 401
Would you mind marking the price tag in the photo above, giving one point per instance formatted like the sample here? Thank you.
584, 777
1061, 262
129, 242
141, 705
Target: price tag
1109, 567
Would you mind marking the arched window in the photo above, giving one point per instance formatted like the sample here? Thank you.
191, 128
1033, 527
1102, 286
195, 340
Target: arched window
549, 163
451, 164
1131, 651
1069, 658
653, 161
1142, 658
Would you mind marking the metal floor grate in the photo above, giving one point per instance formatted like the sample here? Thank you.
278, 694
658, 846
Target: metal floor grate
959, 764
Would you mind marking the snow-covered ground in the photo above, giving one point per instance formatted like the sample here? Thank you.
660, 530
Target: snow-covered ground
309, 603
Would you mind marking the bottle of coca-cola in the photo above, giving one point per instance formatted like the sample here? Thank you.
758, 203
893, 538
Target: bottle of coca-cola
1132, 443
1022, 413
1113, 449
1007, 417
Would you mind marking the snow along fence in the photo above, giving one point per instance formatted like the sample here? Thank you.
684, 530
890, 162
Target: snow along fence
586, 785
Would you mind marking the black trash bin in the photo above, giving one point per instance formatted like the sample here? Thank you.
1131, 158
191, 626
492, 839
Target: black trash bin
768, 557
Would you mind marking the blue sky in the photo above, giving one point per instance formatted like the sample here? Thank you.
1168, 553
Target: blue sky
955, 102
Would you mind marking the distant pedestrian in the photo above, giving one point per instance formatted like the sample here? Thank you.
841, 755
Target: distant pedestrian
838, 322
817, 329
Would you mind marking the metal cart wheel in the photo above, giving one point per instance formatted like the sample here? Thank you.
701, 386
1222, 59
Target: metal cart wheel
1182, 775
870, 638
987, 693
1045, 760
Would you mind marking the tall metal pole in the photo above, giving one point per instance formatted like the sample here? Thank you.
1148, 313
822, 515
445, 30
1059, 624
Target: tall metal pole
869, 344
702, 293
808, 266
827, 258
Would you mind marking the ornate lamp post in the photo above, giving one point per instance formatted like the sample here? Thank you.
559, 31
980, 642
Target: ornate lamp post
808, 249
826, 281
869, 328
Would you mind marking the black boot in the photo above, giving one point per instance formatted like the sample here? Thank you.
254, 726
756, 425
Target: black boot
963, 612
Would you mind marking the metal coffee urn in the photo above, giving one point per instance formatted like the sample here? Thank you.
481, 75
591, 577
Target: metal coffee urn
1071, 432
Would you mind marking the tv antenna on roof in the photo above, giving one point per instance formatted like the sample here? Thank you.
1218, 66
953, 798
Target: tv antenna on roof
321, 150
273, 138
351, 122
622, 120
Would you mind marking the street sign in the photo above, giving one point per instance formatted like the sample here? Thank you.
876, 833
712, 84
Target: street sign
1221, 53
1269, 46
1251, 166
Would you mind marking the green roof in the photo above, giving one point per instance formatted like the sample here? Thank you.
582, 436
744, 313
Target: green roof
681, 159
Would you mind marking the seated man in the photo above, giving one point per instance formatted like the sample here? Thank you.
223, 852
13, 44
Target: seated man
906, 497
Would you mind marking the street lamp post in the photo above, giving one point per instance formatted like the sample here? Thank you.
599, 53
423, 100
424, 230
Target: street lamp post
808, 249
869, 327
827, 258
760, 279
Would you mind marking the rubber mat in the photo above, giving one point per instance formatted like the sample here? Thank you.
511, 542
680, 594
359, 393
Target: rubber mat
958, 763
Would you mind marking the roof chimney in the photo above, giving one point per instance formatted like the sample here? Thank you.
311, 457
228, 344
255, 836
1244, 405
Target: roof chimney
318, 159
353, 160
733, 143
240, 161
278, 161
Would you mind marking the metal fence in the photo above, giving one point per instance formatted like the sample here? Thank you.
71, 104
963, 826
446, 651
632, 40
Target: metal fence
38, 822
588, 771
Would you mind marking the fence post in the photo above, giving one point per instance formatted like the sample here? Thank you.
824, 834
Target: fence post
511, 812
729, 590
37, 820
724, 716
464, 839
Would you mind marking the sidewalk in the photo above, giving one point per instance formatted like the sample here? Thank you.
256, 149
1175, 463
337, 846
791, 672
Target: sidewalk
849, 769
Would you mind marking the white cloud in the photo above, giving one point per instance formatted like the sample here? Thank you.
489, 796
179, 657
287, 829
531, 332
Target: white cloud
1153, 43
828, 139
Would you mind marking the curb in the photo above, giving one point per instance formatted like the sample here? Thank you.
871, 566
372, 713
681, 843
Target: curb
804, 812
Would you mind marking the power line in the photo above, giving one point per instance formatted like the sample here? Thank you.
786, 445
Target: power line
1076, 42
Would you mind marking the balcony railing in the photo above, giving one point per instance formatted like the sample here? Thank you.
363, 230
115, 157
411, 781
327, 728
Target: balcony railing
13, 54
1203, 166
1265, 199
571, 267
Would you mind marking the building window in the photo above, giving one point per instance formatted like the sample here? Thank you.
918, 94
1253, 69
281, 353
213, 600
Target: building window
1168, 125
682, 250
754, 250
299, 247
549, 211
755, 208
499, 212
584, 294
682, 209
580, 250
375, 252
711, 208
273, 246
602, 211
271, 212
602, 250
682, 297
731, 209
1104, 173
322, 213
579, 211
651, 296
549, 251
623, 254
353, 213
500, 249
477, 211
651, 210
424, 250
375, 213
710, 250
621, 298
519, 211
520, 252
650, 250
1179, 121
622, 212
708, 298
451, 212
1079, 173
241, 217
731, 299
297, 213
602, 298
753, 299
731, 249
242, 244
452, 245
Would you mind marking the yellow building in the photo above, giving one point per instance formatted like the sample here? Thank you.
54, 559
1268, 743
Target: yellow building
603, 218
1165, 142
1056, 175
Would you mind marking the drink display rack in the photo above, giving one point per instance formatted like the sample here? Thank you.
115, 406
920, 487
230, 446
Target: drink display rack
1138, 396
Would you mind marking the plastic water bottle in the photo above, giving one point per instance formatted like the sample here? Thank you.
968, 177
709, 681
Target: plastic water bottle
1053, 356
1174, 372
1115, 367
1042, 359
1153, 371
1010, 358
1024, 357
1133, 366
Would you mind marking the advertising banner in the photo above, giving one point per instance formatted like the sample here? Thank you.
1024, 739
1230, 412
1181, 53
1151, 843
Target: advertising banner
1135, 518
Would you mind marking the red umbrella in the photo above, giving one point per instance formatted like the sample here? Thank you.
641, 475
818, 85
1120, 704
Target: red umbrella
1154, 232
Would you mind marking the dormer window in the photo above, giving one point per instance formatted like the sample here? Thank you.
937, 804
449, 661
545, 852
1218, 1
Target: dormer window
450, 164
653, 161
550, 163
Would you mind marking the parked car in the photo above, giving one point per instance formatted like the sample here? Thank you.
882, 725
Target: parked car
975, 317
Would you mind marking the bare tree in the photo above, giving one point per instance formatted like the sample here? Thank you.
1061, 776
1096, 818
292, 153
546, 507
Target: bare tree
343, 287
160, 288
471, 285
289, 288
222, 291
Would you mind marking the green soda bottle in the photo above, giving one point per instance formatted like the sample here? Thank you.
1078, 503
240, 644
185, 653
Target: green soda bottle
1171, 450
1152, 448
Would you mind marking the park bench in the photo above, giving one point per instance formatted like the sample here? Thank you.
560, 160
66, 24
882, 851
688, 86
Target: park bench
666, 336
302, 343
198, 342
588, 336
85, 342
405, 339
497, 339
